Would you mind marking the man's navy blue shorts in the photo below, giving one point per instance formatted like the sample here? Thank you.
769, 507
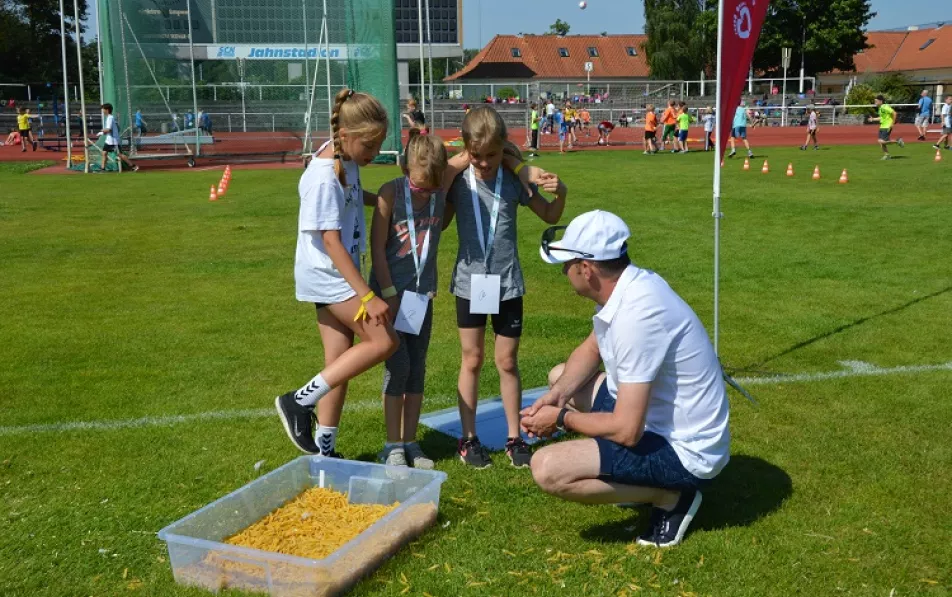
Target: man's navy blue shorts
652, 462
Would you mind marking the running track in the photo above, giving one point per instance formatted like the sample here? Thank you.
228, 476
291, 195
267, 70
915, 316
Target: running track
280, 147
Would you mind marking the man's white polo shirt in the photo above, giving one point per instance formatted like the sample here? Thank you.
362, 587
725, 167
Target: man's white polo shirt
647, 334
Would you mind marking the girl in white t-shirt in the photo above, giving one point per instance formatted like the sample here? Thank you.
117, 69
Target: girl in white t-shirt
327, 272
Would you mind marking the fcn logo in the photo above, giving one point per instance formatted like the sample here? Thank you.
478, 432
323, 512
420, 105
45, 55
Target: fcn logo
742, 21
226, 52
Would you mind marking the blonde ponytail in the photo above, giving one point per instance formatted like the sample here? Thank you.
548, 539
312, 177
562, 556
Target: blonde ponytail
362, 115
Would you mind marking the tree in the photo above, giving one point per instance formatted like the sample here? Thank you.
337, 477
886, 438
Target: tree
30, 41
829, 32
679, 44
559, 27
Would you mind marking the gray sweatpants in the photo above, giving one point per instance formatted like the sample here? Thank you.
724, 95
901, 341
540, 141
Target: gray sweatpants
405, 371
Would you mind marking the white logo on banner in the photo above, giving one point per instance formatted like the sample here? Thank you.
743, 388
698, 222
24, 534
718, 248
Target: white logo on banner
742, 21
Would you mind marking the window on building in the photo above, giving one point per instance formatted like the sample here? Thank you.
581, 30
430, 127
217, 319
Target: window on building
516, 52
631, 51
926, 45
564, 52
593, 52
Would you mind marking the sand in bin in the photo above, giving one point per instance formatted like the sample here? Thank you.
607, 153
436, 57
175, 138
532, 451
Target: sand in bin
313, 525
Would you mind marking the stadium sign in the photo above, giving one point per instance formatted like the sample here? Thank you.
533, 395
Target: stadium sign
287, 52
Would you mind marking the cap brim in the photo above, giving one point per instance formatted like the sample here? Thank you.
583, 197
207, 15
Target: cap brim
555, 256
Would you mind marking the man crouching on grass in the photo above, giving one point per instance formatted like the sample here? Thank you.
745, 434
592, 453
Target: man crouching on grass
658, 416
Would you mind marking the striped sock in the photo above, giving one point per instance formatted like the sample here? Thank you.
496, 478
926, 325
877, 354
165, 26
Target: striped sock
326, 439
315, 389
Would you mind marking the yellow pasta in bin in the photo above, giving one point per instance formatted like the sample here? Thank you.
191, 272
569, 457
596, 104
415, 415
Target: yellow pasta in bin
313, 525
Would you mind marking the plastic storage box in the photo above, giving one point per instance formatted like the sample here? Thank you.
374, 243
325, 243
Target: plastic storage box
200, 558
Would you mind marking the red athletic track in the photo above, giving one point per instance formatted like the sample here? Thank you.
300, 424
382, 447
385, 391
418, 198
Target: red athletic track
236, 148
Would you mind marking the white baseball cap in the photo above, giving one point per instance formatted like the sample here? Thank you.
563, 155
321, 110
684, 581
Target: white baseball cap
594, 236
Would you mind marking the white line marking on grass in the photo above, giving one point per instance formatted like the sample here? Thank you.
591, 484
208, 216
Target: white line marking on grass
855, 369
170, 420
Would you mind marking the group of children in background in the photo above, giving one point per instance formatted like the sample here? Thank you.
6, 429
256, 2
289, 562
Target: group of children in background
676, 122
393, 313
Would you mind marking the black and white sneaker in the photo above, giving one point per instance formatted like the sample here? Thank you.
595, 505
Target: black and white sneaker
473, 453
900, 142
667, 529
298, 422
518, 451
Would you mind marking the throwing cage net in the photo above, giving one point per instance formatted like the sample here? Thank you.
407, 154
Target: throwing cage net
242, 80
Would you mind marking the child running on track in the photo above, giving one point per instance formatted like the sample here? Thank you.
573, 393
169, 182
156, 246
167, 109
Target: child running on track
487, 277
651, 130
739, 129
946, 123
886, 119
562, 126
709, 129
25, 128
586, 118
327, 272
669, 119
684, 123
812, 124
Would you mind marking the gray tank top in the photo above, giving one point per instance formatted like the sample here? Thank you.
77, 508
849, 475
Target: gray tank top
399, 258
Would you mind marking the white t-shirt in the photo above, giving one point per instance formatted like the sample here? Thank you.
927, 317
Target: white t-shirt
326, 205
647, 334
112, 136
946, 115
549, 109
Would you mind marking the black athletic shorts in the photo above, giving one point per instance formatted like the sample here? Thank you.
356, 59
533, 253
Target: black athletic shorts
508, 322
650, 135
107, 148
884, 134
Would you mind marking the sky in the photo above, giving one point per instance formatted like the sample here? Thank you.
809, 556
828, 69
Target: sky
627, 16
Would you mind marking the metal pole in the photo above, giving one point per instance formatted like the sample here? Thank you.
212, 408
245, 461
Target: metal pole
327, 67
241, 84
420, 39
102, 99
123, 23
750, 80
69, 139
429, 48
307, 72
716, 214
82, 87
191, 60
803, 43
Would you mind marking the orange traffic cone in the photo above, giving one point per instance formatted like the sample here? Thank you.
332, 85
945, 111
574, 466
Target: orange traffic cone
816, 173
746, 163
843, 178
766, 168
222, 189
213, 195
938, 155
790, 169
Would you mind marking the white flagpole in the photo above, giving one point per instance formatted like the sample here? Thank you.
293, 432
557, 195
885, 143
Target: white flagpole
717, 172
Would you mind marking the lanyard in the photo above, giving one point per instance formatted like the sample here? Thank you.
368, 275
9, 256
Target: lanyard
485, 244
419, 261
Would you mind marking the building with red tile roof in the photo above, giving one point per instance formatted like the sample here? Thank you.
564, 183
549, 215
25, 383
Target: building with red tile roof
923, 54
556, 58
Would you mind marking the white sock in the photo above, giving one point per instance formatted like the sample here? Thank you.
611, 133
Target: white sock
326, 439
315, 389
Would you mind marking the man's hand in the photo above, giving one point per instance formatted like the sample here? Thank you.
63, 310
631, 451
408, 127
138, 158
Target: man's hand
542, 423
550, 398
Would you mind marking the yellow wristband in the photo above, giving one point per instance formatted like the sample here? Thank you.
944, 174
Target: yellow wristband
388, 292
518, 168
362, 312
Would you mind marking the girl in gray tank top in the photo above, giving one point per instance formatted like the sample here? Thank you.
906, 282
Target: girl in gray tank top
405, 239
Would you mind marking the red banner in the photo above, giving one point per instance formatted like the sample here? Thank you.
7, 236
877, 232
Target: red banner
742, 20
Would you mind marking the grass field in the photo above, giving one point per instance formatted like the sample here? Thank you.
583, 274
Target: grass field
134, 298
